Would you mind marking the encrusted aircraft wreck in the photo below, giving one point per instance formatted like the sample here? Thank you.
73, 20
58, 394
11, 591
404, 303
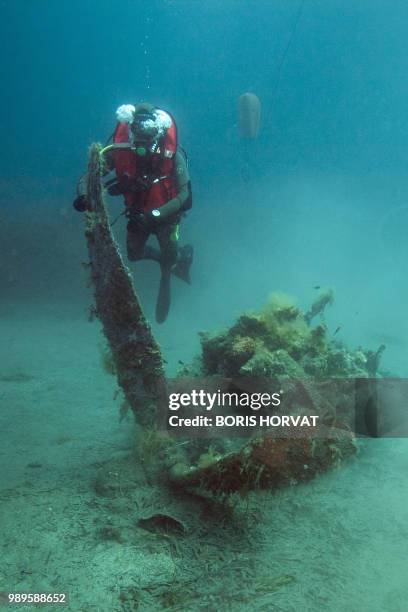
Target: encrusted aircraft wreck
280, 343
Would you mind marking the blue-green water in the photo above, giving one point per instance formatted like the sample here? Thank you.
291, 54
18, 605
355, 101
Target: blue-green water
319, 199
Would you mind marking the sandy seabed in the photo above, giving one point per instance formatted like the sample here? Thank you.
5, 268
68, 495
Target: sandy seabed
72, 493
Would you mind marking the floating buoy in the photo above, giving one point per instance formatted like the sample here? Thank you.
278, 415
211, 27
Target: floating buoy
249, 115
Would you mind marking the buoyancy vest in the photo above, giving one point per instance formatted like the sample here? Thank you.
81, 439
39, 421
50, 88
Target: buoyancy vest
151, 189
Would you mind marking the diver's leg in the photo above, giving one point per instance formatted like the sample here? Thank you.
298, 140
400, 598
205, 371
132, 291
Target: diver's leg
136, 239
167, 238
164, 297
137, 248
180, 258
151, 253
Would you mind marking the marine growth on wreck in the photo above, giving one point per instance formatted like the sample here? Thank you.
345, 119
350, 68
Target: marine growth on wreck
280, 343
316, 374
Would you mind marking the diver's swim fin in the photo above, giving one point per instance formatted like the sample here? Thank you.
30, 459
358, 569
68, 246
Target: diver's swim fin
163, 299
182, 267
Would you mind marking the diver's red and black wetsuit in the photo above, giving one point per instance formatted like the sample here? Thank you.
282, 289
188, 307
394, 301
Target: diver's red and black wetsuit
152, 175
158, 181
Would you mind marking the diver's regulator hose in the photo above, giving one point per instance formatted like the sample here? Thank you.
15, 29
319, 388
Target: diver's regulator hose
117, 145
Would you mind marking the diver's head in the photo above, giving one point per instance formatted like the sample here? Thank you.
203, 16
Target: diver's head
148, 128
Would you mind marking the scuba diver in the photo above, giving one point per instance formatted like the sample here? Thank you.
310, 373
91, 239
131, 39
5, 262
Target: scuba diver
151, 173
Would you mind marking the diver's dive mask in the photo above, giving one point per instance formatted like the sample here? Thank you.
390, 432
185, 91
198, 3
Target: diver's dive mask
146, 132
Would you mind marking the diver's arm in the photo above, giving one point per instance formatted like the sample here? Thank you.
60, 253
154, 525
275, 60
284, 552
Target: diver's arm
183, 189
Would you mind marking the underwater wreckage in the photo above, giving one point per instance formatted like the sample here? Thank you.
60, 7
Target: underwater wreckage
278, 343
135, 353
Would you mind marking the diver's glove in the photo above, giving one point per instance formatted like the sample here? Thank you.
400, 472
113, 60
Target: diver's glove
139, 220
80, 203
